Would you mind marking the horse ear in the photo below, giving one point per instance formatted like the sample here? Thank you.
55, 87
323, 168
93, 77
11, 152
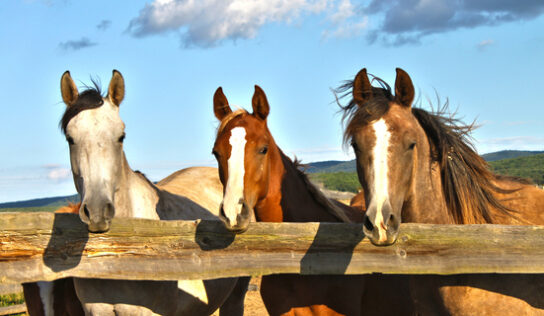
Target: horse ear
362, 89
116, 90
260, 103
68, 89
221, 106
404, 89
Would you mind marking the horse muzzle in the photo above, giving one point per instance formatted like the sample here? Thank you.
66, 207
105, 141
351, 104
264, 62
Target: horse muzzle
241, 223
97, 216
381, 231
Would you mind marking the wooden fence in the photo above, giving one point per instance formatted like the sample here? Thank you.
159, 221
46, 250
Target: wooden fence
45, 246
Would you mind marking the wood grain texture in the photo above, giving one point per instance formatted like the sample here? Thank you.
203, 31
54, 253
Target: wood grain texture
45, 246
13, 309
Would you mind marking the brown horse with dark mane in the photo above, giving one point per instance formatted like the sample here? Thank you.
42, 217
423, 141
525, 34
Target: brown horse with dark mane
261, 182
418, 166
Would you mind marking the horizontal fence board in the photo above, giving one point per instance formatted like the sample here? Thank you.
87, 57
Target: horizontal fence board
46, 246
13, 309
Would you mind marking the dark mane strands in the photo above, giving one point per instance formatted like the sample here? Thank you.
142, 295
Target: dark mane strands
467, 182
314, 191
91, 98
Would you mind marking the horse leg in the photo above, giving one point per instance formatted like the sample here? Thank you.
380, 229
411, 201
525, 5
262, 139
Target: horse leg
66, 302
33, 299
234, 305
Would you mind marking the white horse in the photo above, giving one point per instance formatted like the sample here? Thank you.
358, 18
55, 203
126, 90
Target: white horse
110, 188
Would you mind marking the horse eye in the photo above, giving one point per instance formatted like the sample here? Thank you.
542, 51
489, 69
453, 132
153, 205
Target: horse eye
122, 138
70, 140
263, 150
412, 145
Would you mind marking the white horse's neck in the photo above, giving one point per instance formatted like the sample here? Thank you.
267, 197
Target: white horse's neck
136, 197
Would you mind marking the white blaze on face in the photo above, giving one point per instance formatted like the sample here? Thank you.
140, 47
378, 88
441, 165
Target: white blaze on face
380, 158
234, 191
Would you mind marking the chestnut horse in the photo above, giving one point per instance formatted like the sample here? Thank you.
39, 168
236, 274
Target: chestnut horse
57, 297
109, 187
417, 166
261, 182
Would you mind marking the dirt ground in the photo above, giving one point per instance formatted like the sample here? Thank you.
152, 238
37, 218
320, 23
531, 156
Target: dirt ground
253, 304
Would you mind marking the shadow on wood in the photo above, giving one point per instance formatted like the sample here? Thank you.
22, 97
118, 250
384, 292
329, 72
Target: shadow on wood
335, 259
69, 237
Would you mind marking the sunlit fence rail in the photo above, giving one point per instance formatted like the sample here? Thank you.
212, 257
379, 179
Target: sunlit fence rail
45, 246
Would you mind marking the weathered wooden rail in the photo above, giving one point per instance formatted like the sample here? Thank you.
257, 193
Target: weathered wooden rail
44, 246
13, 309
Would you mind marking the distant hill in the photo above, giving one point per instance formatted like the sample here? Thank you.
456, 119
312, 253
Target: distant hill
508, 154
45, 204
331, 166
531, 167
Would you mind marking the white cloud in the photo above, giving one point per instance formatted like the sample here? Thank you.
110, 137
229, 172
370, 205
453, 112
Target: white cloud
485, 43
206, 23
346, 21
517, 140
57, 172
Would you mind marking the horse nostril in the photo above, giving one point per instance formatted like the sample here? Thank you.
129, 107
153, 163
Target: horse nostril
222, 212
86, 211
109, 211
390, 220
368, 224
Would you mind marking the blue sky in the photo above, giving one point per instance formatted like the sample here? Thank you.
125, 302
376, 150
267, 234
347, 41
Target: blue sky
485, 56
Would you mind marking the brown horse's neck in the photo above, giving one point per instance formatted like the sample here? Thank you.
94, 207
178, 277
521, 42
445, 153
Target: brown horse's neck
291, 198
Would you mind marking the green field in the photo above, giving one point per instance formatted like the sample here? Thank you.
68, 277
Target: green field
50, 208
11, 299
530, 167
338, 181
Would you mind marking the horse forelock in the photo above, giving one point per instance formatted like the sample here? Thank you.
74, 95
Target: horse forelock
357, 115
89, 99
227, 119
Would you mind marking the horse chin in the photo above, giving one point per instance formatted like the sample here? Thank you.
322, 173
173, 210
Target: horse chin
101, 227
391, 238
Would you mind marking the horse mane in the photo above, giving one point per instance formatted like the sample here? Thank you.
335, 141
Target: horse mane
229, 118
71, 208
144, 177
314, 191
467, 181
91, 98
